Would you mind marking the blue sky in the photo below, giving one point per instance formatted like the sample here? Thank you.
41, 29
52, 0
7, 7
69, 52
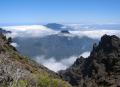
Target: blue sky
62, 11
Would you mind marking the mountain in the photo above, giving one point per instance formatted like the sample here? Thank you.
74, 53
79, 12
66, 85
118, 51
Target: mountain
54, 26
65, 32
19, 71
59, 46
100, 69
58, 27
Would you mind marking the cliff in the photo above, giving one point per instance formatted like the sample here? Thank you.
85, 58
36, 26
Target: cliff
100, 69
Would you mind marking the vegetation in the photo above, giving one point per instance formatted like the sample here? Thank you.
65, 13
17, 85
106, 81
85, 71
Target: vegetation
20, 71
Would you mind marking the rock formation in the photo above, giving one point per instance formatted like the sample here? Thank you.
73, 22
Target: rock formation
65, 32
2, 31
100, 69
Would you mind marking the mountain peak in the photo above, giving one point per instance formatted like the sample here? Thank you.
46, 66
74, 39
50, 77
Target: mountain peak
65, 31
110, 42
101, 68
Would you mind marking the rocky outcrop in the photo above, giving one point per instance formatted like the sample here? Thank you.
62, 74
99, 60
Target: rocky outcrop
65, 32
2, 31
19, 71
100, 69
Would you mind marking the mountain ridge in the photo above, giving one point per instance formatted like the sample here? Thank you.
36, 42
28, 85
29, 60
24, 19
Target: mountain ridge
100, 69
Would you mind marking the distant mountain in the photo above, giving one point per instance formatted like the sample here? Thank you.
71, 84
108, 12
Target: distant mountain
59, 46
65, 32
19, 71
55, 26
100, 69
58, 27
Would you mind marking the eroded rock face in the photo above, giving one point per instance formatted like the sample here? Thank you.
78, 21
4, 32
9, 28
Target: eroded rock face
100, 69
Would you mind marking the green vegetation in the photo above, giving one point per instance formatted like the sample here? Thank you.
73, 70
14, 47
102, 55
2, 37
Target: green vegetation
19, 83
47, 81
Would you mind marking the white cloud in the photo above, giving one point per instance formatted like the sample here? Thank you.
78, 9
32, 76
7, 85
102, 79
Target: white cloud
85, 54
96, 34
77, 26
14, 44
29, 31
40, 30
50, 63
55, 65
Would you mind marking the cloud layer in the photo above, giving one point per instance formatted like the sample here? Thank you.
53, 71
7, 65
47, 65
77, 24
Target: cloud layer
55, 65
29, 31
96, 34
40, 31
14, 44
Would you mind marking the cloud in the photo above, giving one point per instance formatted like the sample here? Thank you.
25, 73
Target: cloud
85, 54
95, 34
50, 63
29, 31
40, 31
14, 44
55, 65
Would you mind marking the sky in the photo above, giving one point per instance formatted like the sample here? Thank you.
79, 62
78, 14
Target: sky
60, 11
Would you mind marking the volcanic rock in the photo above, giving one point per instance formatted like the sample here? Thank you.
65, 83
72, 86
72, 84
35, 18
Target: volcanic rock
100, 69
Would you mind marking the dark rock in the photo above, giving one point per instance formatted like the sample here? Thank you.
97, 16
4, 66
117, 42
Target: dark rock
65, 31
4, 31
100, 69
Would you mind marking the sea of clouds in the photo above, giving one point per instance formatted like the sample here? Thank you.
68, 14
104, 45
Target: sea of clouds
40, 31
55, 65
27, 31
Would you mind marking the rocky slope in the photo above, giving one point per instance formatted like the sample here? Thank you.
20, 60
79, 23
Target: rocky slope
100, 69
19, 71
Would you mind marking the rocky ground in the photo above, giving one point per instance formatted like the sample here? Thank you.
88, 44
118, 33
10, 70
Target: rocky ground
100, 69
